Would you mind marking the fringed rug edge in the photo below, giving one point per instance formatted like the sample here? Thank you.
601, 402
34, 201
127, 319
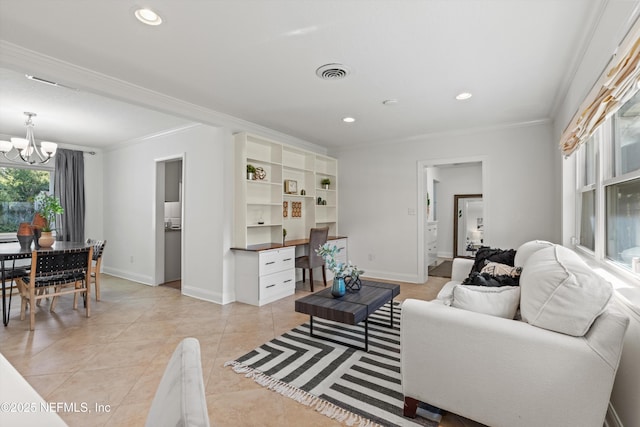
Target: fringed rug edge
322, 406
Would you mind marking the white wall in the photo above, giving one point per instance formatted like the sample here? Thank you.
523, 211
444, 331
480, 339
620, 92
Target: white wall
129, 213
454, 180
378, 189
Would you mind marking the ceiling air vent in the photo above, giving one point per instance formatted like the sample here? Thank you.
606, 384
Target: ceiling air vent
332, 72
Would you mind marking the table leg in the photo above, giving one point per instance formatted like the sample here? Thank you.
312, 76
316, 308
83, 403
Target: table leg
366, 335
5, 314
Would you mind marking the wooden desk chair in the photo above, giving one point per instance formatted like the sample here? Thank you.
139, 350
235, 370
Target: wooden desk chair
65, 271
317, 238
98, 249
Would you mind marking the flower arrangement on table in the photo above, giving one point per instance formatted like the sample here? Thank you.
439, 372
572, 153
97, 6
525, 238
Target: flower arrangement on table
349, 273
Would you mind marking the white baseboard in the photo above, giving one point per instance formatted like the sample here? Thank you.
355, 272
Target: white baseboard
612, 419
146, 280
396, 277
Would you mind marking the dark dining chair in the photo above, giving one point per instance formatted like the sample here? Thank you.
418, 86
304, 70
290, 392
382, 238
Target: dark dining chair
317, 238
98, 249
64, 271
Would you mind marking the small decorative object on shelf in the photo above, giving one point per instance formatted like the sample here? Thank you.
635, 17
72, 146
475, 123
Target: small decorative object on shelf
296, 209
290, 186
303, 193
284, 235
251, 172
319, 201
326, 182
261, 174
285, 209
346, 275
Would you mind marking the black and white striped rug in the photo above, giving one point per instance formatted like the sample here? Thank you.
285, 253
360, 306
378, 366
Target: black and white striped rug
339, 381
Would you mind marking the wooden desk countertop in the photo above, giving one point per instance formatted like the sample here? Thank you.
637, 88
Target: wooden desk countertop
287, 244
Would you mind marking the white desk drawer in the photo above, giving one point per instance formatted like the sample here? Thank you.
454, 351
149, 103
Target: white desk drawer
276, 284
276, 260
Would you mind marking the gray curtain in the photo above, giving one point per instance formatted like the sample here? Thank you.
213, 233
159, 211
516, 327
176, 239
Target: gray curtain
68, 185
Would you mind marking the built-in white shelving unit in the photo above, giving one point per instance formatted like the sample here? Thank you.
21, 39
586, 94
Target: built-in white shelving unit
263, 208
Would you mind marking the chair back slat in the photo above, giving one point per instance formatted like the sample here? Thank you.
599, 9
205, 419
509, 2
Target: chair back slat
60, 262
317, 238
98, 247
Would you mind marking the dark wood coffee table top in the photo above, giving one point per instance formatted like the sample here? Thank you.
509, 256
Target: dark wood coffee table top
352, 308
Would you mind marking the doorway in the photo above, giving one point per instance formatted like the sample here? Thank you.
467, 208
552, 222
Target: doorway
438, 181
468, 224
169, 215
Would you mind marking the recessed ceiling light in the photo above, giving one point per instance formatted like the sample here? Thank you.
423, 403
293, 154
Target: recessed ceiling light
464, 95
348, 119
148, 16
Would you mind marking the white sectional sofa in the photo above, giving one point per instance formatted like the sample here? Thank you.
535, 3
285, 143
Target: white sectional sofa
554, 366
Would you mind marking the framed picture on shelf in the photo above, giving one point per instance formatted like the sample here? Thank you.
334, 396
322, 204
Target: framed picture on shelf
290, 186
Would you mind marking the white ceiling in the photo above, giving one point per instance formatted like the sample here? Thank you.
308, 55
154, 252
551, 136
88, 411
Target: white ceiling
256, 60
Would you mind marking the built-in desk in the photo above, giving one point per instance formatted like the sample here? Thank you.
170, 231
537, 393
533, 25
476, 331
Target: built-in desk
266, 272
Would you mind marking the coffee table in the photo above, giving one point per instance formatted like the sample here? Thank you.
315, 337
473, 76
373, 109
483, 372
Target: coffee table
352, 308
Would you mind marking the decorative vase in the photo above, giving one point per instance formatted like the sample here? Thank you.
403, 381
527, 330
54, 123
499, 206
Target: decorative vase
339, 288
25, 235
46, 239
37, 232
39, 221
250, 176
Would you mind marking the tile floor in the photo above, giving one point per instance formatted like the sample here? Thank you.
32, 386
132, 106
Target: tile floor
117, 356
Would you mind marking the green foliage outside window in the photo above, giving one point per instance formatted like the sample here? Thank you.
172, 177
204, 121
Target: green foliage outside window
18, 189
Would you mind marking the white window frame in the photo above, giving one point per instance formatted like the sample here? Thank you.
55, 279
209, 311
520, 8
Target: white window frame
604, 140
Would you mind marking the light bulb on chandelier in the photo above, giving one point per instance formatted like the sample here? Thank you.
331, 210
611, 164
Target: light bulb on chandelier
26, 150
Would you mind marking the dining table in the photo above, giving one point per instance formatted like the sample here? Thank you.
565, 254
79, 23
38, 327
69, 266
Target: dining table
12, 256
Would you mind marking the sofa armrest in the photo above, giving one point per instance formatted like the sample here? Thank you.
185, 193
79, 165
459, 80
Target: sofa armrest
461, 269
500, 372
180, 398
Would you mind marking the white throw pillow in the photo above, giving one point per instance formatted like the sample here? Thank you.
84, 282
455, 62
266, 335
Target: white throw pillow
560, 292
527, 249
496, 301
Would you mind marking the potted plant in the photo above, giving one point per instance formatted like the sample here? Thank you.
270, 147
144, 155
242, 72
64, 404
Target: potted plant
251, 171
326, 182
344, 274
284, 235
48, 206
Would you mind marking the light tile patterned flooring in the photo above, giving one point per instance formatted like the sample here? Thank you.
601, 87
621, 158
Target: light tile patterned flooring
117, 356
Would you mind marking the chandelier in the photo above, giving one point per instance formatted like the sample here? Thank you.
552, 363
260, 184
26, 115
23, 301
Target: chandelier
26, 150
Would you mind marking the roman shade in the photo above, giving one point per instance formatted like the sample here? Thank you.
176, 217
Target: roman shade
613, 89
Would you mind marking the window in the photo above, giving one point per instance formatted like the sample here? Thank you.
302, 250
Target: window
587, 195
611, 185
18, 187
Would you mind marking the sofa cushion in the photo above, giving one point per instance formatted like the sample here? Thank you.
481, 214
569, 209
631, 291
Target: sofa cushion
560, 292
486, 254
526, 249
496, 301
497, 269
